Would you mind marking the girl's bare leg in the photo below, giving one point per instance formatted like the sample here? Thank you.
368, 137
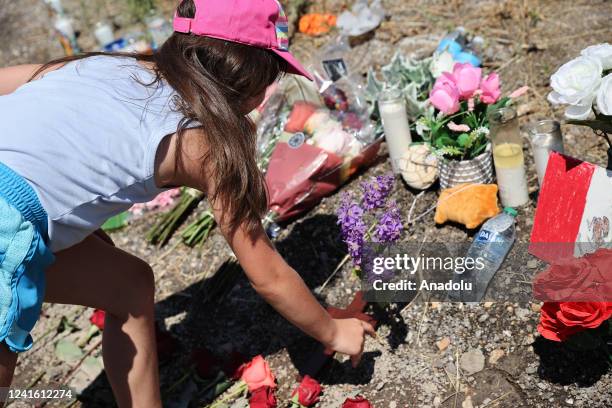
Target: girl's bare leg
96, 274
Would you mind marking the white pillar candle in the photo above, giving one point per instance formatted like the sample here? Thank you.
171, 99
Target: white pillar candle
392, 107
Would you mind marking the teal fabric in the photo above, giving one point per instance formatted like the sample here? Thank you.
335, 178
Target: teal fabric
24, 257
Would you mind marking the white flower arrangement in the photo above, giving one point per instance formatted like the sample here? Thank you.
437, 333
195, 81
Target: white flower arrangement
585, 84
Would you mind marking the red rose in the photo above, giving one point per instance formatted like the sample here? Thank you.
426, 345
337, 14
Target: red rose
559, 320
257, 374
586, 279
308, 391
97, 318
357, 402
263, 397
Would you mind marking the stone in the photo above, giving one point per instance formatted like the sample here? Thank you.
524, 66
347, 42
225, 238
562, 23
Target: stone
437, 401
483, 318
522, 313
487, 305
536, 307
443, 343
532, 264
495, 356
472, 361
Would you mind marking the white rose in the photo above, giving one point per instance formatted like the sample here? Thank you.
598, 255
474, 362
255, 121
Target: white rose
576, 84
442, 62
603, 52
604, 96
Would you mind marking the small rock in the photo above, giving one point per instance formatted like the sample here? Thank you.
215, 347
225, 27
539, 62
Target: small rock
532, 264
510, 309
531, 369
483, 318
437, 401
569, 401
495, 356
393, 404
443, 344
487, 305
542, 386
467, 403
472, 361
486, 401
380, 386
521, 313
535, 307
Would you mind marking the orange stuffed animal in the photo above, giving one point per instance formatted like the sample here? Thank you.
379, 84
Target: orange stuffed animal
467, 204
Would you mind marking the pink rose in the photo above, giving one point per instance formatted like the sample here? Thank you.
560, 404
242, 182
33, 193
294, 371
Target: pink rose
467, 79
445, 98
257, 374
490, 89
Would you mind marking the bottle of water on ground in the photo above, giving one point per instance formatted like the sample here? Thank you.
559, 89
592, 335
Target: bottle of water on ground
491, 246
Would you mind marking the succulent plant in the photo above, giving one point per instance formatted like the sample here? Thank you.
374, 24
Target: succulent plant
414, 79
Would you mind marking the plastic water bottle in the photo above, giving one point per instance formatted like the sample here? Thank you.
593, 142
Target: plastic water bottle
491, 246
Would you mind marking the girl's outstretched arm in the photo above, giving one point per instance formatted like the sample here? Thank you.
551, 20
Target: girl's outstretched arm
283, 288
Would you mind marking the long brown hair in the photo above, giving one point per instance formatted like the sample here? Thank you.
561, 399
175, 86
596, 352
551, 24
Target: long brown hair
214, 80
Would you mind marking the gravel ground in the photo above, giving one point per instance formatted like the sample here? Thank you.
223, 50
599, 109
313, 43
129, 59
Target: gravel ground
429, 354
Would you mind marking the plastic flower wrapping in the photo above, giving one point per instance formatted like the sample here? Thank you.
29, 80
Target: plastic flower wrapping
312, 138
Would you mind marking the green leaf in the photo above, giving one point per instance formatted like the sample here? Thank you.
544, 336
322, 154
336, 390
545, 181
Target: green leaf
67, 351
463, 140
117, 222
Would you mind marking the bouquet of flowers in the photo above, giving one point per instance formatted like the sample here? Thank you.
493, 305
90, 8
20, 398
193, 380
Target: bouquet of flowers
317, 146
584, 84
462, 98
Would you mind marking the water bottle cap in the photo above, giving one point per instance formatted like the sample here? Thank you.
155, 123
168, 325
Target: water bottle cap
511, 211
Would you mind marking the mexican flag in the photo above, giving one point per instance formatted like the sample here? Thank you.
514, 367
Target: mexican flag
574, 210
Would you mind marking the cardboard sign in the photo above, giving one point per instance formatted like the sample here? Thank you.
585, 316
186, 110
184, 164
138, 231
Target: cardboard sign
574, 211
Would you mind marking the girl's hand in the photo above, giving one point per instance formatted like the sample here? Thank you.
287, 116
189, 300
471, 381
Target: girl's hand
349, 337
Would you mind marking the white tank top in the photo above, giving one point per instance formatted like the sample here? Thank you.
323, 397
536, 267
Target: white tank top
85, 137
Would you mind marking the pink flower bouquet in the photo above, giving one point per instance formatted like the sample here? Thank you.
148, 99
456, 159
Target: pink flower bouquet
459, 128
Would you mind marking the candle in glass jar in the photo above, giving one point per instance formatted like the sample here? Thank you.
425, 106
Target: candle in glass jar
511, 177
545, 138
508, 157
392, 107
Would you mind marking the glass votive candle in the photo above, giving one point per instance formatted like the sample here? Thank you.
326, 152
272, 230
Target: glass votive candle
545, 137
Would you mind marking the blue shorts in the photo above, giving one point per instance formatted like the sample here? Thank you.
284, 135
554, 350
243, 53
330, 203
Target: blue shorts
24, 257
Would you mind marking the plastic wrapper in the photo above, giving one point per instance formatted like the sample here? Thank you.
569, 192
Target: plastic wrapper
311, 143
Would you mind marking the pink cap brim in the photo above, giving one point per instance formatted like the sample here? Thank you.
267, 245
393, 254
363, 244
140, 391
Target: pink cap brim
294, 65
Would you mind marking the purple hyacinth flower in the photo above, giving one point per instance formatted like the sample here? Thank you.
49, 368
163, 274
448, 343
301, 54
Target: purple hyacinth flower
390, 226
376, 191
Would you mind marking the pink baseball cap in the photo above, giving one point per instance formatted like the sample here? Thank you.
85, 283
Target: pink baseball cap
261, 23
